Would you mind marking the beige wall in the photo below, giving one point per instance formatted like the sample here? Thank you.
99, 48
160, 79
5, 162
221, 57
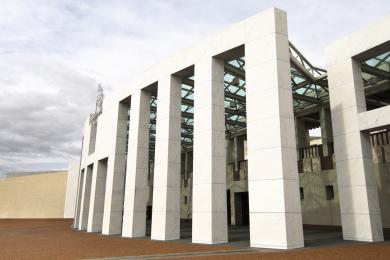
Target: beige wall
33, 196
316, 209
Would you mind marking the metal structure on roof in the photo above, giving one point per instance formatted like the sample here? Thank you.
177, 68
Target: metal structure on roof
309, 85
376, 79
99, 105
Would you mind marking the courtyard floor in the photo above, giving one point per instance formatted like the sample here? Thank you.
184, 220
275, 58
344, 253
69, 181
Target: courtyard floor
54, 239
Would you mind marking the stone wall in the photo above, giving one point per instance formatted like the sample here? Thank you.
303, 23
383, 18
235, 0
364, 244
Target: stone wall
34, 196
317, 208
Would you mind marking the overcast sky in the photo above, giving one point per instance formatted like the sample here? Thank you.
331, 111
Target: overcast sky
53, 54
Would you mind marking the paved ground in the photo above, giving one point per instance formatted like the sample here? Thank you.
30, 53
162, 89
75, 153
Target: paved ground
54, 239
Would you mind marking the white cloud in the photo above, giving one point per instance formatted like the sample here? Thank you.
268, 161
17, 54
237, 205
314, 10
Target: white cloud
54, 53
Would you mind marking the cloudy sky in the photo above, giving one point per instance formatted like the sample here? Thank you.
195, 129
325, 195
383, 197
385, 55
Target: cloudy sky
54, 53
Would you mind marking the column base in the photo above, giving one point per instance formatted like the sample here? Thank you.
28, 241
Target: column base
132, 236
362, 227
133, 233
278, 246
362, 239
94, 230
165, 239
110, 233
209, 242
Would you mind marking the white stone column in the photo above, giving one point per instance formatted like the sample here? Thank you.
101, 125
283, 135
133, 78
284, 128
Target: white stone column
116, 170
209, 216
85, 198
166, 185
92, 199
136, 192
98, 188
78, 202
359, 203
71, 191
273, 184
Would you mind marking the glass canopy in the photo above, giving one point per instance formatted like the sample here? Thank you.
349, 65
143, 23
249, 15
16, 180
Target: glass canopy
309, 86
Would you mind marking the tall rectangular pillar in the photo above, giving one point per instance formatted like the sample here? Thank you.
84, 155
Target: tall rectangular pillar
136, 192
85, 198
166, 185
359, 202
76, 220
326, 131
209, 213
273, 183
302, 136
116, 171
98, 189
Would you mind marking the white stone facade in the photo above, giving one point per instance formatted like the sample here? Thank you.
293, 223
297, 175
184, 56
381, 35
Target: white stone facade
113, 193
359, 203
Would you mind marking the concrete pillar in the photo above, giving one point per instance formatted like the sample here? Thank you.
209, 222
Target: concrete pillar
116, 170
78, 202
326, 131
359, 203
136, 193
85, 198
302, 136
92, 199
233, 217
209, 216
274, 204
187, 165
71, 190
92, 138
235, 153
240, 156
166, 185
98, 190
240, 149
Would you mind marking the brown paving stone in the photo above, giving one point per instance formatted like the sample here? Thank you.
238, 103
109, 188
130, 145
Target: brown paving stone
348, 252
54, 239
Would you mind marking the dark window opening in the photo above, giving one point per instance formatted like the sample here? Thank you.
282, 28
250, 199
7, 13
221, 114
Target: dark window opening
329, 192
301, 193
